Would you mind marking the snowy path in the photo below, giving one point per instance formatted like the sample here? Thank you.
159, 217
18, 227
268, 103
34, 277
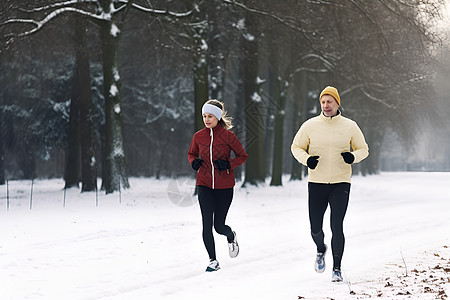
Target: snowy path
149, 248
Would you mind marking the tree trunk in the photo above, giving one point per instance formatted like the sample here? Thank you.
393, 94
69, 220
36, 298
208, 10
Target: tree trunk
239, 118
2, 151
277, 163
371, 165
296, 167
201, 89
254, 166
88, 163
299, 118
218, 56
72, 171
115, 169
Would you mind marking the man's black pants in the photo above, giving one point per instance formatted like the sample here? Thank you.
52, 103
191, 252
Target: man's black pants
336, 195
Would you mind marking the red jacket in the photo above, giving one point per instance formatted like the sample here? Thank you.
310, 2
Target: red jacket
210, 144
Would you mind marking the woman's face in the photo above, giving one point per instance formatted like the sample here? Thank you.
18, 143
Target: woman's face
210, 120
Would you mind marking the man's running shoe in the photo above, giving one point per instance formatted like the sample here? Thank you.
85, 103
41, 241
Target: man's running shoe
233, 247
337, 276
213, 266
319, 264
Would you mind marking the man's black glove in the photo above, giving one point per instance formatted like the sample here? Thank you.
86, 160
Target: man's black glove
348, 157
222, 165
197, 163
312, 162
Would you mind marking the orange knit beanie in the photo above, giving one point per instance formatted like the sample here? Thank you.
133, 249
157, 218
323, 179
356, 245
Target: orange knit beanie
329, 90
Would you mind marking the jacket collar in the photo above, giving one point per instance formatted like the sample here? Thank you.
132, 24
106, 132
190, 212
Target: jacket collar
215, 129
336, 117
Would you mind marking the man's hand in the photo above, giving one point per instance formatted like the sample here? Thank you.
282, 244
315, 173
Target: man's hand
348, 157
312, 162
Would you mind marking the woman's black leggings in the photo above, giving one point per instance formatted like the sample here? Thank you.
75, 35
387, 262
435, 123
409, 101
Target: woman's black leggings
320, 195
214, 205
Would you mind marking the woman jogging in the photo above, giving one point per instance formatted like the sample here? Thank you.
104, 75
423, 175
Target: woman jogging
210, 155
328, 144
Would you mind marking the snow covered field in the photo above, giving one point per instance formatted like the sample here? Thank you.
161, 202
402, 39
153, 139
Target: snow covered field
146, 244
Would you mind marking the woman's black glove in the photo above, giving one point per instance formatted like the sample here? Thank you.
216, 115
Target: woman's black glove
222, 165
312, 162
197, 163
348, 157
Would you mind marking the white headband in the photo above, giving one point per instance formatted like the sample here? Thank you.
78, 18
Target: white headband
212, 109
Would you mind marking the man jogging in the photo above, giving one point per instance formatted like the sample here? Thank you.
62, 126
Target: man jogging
328, 144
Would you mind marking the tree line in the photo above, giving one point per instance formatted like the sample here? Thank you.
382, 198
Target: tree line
113, 88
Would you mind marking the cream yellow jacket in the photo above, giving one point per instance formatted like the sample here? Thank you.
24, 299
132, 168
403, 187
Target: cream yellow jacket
328, 137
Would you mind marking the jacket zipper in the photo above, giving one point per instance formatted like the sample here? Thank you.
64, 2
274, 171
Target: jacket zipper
329, 149
211, 156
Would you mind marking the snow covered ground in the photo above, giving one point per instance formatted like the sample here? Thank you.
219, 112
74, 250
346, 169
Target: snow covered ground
146, 243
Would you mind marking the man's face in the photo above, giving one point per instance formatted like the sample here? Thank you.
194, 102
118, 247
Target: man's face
329, 105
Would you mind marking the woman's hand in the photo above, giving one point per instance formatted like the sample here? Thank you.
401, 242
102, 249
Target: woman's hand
197, 163
222, 165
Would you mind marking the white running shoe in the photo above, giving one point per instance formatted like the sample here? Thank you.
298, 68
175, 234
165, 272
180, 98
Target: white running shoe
336, 276
319, 264
233, 247
213, 266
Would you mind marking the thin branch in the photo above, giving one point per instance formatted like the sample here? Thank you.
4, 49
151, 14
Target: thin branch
380, 31
312, 70
404, 262
434, 13
49, 17
362, 87
149, 120
351, 292
55, 5
115, 10
127, 9
357, 86
162, 11
328, 64
370, 96
270, 15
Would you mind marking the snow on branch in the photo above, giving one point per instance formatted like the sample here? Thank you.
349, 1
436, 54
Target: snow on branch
328, 65
362, 87
162, 11
357, 86
368, 95
326, 62
49, 17
15, 110
58, 4
312, 70
113, 10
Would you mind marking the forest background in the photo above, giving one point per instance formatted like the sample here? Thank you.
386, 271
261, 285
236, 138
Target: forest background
114, 88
